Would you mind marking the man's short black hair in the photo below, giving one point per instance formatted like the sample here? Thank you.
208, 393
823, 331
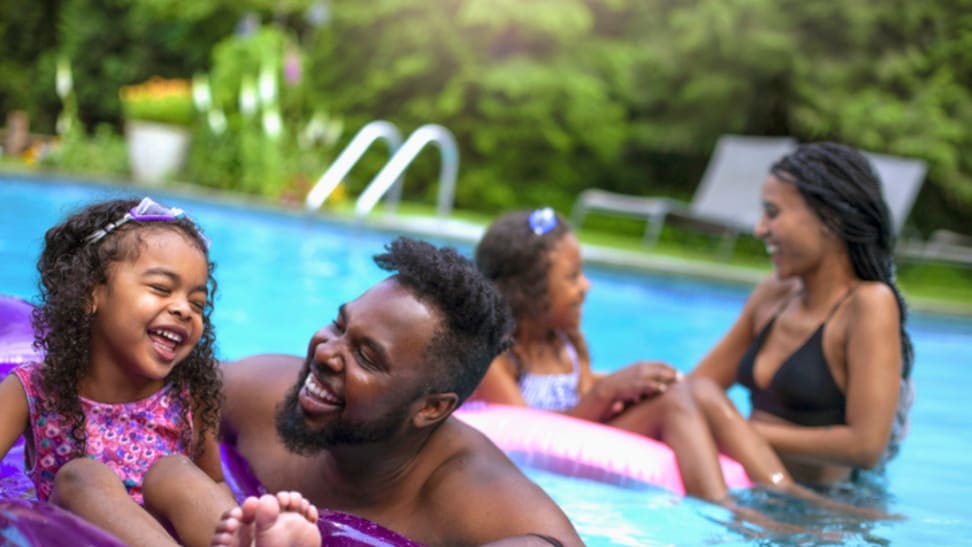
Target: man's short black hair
476, 322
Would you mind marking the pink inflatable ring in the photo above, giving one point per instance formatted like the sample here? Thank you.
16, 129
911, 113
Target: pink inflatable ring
579, 448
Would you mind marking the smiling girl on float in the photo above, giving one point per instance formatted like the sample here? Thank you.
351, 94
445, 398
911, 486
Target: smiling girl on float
120, 418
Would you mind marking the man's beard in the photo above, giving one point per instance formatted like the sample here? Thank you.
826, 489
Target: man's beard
301, 438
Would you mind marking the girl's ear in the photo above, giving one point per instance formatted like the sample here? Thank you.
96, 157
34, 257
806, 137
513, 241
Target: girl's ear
435, 407
97, 294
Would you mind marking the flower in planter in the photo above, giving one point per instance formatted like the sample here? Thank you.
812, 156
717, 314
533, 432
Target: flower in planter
159, 100
157, 149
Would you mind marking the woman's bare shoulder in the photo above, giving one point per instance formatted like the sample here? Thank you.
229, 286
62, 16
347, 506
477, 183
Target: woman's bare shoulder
876, 293
873, 299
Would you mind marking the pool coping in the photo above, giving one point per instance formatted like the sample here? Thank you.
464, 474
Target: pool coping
630, 261
468, 233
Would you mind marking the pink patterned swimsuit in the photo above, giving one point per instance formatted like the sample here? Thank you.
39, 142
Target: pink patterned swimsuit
127, 437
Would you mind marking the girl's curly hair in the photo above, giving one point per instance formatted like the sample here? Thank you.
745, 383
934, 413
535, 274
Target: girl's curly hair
70, 268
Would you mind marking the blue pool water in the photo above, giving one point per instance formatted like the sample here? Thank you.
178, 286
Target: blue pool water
283, 275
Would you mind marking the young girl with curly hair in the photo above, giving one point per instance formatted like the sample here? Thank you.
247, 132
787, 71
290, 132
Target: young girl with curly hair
120, 418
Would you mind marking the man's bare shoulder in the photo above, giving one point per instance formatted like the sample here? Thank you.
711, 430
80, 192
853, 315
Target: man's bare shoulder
260, 365
254, 385
481, 496
464, 451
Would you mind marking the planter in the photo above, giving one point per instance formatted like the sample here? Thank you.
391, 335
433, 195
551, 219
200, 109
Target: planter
156, 151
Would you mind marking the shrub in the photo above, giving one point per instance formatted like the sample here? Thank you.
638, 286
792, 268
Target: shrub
159, 100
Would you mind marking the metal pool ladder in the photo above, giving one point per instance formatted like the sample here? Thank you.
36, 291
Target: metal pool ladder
389, 179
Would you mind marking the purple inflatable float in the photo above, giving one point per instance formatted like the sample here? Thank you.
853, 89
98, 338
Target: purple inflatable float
25, 521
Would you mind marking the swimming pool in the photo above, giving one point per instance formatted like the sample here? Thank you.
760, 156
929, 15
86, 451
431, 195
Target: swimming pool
283, 275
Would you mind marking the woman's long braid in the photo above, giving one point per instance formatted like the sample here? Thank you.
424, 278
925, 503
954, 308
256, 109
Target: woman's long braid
841, 186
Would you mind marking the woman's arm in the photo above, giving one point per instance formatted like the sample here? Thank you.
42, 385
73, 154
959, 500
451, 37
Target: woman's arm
14, 411
873, 365
721, 363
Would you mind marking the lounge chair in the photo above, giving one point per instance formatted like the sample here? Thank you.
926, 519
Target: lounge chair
727, 197
942, 246
901, 178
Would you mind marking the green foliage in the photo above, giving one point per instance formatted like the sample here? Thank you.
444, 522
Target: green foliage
561, 96
549, 97
101, 154
545, 97
500, 77
109, 44
26, 65
251, 93
893, 77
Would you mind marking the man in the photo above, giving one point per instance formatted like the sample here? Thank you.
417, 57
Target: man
368, 429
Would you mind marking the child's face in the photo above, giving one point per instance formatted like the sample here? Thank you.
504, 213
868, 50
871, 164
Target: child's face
149, 315
566, 284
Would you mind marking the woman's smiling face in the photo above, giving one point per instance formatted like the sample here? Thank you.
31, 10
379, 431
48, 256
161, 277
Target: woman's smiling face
794, 235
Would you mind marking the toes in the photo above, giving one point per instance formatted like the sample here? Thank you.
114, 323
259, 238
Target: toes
287, 499
267, 511
228, 529
248, 509
295, 502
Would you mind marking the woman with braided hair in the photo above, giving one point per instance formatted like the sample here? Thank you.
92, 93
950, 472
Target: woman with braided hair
821, 344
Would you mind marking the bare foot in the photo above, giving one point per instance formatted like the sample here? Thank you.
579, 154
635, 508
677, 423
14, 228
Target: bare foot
284, 520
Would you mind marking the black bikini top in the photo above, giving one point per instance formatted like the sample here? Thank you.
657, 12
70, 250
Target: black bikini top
802, 391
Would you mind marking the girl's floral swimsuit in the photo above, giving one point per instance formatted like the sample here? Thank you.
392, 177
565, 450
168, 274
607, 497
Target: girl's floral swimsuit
127, 437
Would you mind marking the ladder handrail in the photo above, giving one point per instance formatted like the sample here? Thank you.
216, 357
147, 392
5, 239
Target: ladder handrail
363, 139
403, 157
